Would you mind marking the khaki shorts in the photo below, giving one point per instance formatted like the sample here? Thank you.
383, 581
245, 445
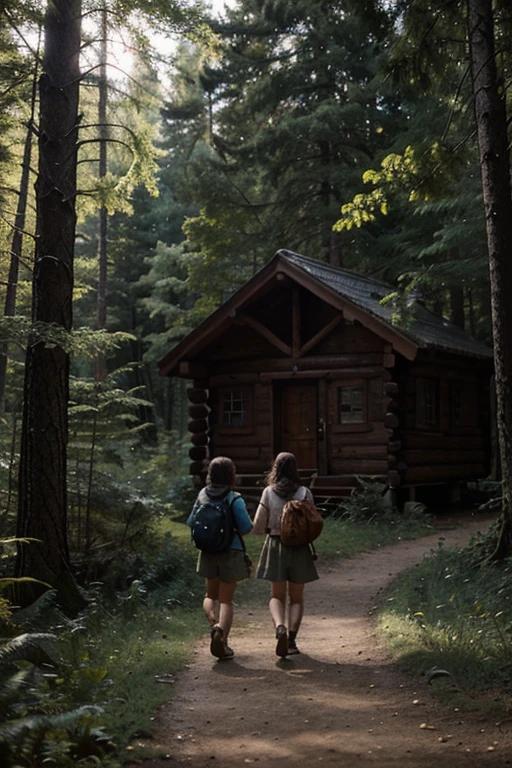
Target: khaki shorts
228, 566
281, 563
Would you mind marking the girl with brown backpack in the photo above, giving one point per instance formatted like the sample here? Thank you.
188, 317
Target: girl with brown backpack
288, 568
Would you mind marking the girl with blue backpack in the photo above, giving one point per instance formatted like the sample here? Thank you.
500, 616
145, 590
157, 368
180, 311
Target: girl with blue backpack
217, 521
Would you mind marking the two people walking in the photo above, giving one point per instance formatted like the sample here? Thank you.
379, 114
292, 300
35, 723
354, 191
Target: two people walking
287, 568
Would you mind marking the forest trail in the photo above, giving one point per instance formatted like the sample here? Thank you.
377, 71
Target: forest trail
342, 702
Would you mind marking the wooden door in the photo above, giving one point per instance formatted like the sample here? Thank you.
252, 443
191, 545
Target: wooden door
299, 422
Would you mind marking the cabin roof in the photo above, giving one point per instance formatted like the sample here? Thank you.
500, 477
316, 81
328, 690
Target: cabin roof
427, 329
348, 290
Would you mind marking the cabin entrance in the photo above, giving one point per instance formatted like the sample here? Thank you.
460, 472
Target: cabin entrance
296, 421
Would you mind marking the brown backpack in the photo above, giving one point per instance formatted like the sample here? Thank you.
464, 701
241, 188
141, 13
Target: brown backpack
301, 522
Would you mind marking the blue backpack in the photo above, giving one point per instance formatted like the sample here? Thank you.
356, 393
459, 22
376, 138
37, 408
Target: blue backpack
213, 524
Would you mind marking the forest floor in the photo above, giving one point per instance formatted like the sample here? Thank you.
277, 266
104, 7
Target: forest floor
342, 701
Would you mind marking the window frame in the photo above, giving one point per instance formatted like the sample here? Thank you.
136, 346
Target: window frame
468, 405
337, 425
426, 385
456, 393
247, 396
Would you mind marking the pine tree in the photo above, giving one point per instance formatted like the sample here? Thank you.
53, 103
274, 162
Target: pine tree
300, 111
42, 477
491, 120
425, 202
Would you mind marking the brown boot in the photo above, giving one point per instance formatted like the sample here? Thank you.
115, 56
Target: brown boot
282, 641
217, 641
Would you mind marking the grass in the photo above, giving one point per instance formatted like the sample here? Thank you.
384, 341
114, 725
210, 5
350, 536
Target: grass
340, 538
150, 629
453, 612
346, 538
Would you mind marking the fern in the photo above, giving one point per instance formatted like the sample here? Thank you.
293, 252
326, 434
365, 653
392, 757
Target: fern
40, 615
69, 734
14, 686
32, 647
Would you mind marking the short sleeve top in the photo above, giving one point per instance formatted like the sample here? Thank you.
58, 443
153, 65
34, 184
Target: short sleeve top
270, 509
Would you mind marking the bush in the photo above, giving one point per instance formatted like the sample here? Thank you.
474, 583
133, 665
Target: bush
371, 504
453, 612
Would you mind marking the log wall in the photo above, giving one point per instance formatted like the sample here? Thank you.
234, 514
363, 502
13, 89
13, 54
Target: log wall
348, 353
445, 452
269, 343
251, 450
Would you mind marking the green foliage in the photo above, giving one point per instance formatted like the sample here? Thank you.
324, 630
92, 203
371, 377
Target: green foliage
418, 177
370, 504
283, 124
367, 503
366, 524
104, 679
73, 691
36, 726
137, 169
21, 331
452, 612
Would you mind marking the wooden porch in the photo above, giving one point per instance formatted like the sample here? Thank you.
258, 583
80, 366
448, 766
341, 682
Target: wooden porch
327, 489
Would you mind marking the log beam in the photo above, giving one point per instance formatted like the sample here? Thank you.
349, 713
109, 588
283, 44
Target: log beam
317, 338
191, 370
295, 322
265, 332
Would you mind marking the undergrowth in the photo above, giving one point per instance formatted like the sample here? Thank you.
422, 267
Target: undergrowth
452, 612
83, 691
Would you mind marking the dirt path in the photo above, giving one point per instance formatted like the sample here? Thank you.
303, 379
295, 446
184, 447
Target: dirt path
341, 702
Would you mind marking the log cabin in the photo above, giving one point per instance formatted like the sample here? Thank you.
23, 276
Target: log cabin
306, 358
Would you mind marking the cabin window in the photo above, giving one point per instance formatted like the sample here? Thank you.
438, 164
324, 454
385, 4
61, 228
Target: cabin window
351, 402
235, 409
428, 403
463, 404
456, 404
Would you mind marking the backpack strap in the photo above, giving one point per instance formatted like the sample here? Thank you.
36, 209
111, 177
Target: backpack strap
236, 496
310, 545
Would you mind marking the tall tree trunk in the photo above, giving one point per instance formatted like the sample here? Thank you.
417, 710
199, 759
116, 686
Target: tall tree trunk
491, 120
19, 227
101, 321
457, 297
42, 512
457, 306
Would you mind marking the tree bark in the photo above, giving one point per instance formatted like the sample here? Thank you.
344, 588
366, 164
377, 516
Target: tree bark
491, 121
457, 297
19, 227
101, 369
42, 512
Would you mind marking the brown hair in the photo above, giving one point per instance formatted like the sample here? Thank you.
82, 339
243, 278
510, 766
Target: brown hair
221, 471
284, 472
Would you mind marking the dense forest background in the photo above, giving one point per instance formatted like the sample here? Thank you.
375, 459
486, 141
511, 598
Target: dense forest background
153, 156
194, 147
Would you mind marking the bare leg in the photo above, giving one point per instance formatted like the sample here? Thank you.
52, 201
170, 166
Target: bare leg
211, 600
277, 607
296, 595
226, 592
277, 604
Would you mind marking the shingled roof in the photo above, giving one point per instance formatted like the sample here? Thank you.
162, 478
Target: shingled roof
359, 298
427, 329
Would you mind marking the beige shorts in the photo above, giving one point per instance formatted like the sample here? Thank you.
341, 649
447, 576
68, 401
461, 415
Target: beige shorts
281, 563
228, 566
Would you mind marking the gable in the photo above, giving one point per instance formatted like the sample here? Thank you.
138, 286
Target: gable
293, 303
239, 341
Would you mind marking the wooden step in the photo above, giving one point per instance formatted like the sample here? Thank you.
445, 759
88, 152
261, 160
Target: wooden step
333, 481
323, 495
